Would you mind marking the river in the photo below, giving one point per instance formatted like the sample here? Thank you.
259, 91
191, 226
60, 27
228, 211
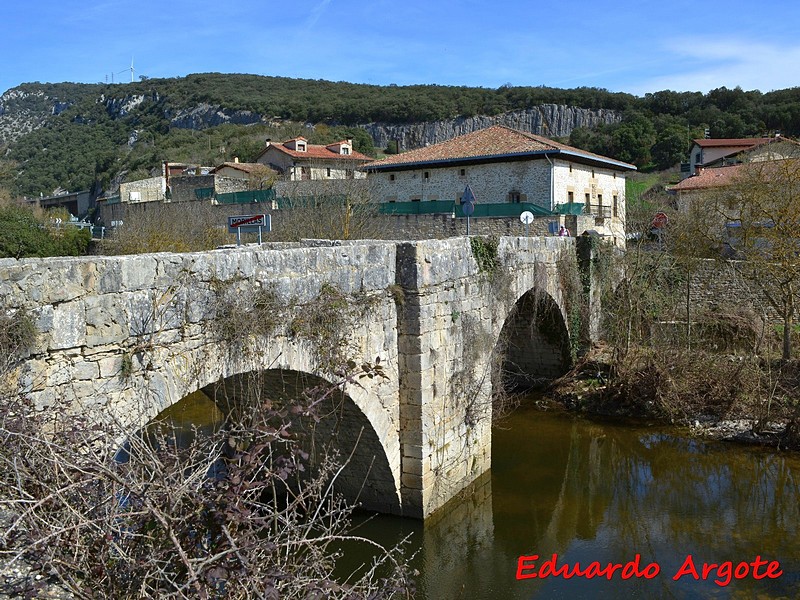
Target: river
589, 491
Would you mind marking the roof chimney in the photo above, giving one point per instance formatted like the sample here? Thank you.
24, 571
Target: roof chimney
236, 159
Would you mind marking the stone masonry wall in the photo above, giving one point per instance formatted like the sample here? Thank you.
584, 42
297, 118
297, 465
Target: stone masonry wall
128, 336
491, 183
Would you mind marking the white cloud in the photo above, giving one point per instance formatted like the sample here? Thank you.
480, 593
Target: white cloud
316, 13
703, 65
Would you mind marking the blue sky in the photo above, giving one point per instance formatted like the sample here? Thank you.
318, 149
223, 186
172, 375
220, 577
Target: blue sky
625, 46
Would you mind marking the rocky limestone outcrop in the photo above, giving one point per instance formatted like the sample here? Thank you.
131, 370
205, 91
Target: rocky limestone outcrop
206, 115
549, 120
22, 112
120, 107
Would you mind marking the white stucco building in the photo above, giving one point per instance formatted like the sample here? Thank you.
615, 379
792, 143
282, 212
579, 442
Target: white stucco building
505, 166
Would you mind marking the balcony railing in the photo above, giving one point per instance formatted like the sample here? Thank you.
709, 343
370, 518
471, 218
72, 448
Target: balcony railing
599, 210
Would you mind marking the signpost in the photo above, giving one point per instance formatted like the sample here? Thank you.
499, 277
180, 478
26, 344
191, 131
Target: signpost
249, 223
468, 204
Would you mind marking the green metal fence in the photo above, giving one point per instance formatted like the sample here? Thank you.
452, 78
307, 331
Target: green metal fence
571, 208
249, 197
204, 193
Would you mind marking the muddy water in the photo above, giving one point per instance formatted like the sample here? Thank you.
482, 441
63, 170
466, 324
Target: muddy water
591, 491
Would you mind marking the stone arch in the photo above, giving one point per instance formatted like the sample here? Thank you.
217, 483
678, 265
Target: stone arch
340, 426
534, 343
208, 367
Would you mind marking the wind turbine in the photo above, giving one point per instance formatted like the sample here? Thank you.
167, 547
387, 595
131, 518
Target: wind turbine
124, 71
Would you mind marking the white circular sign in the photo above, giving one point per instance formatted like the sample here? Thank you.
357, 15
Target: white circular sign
526, 217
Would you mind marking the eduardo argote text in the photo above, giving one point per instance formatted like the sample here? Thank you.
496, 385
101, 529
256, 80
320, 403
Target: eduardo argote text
531, 567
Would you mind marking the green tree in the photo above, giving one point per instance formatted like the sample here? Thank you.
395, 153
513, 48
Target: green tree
24, 234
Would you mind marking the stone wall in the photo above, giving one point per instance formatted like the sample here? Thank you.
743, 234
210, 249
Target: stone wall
182, 187
425, 227
491, 183
719, 285
144, 190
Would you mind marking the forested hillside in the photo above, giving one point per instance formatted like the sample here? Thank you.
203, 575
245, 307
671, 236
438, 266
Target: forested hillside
81, 136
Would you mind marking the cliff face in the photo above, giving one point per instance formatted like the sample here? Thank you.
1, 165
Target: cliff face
549, 120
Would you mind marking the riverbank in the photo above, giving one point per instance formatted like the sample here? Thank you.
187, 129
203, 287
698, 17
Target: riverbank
740, 399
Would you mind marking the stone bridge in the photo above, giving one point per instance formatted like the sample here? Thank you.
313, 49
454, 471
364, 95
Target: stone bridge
452, 321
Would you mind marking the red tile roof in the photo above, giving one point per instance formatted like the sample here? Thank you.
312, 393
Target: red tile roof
490, 143
709, 178
732, 142
314, 151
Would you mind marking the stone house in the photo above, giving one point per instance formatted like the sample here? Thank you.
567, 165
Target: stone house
722, 152
256, 175
505, 166
297, 160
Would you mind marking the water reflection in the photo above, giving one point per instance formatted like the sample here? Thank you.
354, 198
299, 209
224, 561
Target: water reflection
593, 491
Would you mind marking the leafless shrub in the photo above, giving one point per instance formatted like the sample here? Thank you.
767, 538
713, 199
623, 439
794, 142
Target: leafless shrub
17, 338
233, 514
182, 227
678, 386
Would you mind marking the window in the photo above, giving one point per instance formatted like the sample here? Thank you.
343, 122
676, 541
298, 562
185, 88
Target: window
328, 172
426, 174
600, 199
345, 150
462, 173
592, 173
570, 167
391, 177
615, 200
416, 199
301, 146
588, 199
305, 173
514, 197
570, 197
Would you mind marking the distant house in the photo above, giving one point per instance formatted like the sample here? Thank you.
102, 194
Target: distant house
255, 174
704, 182
297, 160
505, 166
723, 152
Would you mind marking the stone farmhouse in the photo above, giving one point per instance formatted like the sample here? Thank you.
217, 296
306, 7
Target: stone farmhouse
510, 167
297, 160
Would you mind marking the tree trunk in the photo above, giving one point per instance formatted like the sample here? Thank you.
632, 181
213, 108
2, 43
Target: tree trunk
788, 323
